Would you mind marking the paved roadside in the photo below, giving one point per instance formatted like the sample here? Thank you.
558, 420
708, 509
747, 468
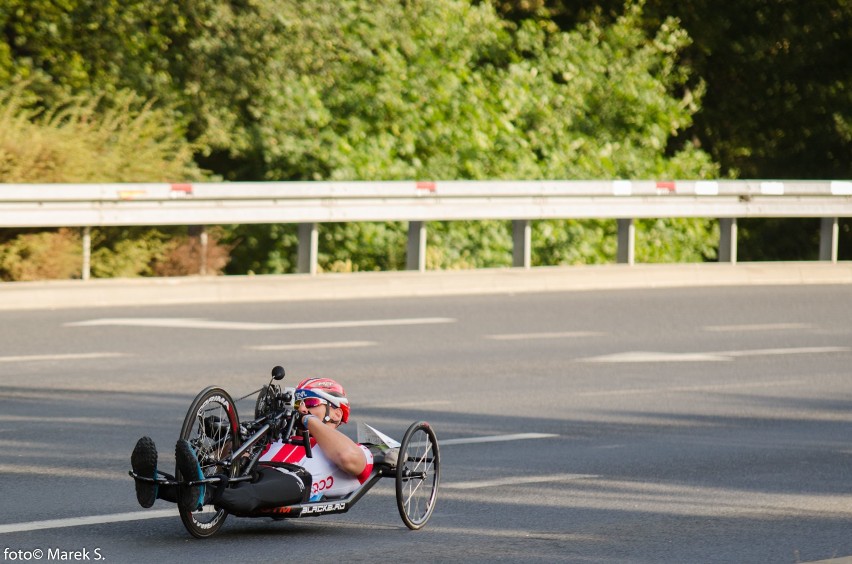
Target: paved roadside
235, 289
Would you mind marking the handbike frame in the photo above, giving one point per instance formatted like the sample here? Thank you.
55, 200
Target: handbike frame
264, 434
232, 449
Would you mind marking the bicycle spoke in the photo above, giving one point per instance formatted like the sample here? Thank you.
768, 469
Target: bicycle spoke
416, 505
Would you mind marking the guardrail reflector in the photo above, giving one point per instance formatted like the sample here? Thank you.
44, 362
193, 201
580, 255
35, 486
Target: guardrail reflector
130, 194
706, 188
841, 188
772, 188
667, 187
180, 190
622, 187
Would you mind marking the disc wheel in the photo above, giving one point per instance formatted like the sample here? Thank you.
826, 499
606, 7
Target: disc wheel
418, 472
212, 428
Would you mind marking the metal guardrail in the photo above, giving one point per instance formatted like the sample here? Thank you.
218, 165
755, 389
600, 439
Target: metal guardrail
310, 203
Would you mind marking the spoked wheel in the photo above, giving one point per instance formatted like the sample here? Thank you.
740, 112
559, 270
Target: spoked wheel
417, 474
265, 400
212, 428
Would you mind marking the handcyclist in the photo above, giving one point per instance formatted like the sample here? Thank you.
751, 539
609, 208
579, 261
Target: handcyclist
285, 475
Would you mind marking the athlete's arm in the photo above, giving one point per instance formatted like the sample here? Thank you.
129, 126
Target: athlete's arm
339, 448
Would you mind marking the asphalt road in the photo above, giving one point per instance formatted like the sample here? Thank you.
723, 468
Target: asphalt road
673, 425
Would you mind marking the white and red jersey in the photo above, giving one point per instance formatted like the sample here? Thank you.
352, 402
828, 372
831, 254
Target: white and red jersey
328, 479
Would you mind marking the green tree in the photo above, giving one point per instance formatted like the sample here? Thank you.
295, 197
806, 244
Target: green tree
378, 90
446, 90
778, 93
200, 59
777, 72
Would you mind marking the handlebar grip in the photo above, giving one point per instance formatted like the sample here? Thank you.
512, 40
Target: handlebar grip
306, 437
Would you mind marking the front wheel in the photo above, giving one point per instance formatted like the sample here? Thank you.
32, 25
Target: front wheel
212, 428
418, 471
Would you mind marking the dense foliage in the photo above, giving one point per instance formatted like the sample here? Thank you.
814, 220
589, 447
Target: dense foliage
777, 73
89, 139
778, 100
437, 89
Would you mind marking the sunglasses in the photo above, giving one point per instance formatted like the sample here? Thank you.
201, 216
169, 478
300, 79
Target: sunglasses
311, 402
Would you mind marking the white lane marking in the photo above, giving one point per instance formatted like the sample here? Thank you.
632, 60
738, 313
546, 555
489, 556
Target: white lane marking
64, 471
759, 327
404, 404
720, 356
516, 480
312, 346
155, 514
192, 323
642, 356
562, 335
91, 520
496, 439
676, 389
76, 356
795, 350
51, 419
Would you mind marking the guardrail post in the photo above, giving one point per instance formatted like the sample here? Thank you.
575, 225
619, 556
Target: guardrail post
308, 248
86, 273
521, 243
728, 240
415, 257
828, 235
626, 241
204, 240
200, 231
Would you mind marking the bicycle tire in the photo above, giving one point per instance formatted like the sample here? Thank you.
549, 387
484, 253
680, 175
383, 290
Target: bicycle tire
418, 474
265, 402
211, 426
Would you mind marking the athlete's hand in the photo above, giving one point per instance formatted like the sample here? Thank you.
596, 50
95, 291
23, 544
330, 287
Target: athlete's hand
297, 420
300, 420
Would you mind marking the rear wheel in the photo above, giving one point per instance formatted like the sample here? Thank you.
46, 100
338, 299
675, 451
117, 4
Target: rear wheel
418, 472
212, 428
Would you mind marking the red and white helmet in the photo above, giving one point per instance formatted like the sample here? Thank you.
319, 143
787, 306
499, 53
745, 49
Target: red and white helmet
326, 389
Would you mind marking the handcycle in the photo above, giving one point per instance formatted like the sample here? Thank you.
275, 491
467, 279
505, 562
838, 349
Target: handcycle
230, 447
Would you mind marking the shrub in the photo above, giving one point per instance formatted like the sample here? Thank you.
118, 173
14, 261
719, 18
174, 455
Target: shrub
183, 256
83, 140
86, 139
40, 256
